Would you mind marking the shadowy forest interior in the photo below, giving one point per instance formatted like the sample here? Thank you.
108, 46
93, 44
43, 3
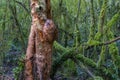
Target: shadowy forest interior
87, 46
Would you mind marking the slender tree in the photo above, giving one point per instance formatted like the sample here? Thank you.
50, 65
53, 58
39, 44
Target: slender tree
42, 34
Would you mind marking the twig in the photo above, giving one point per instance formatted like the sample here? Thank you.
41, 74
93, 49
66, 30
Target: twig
114, 40
23, 6
105, 43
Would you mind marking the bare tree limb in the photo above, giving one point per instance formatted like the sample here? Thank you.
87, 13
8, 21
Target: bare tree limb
105, 43
20, 3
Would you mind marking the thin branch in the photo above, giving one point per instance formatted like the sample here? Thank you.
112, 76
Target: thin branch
78, 10
23, 6
105, 43
16, 22
102, 16
114, 40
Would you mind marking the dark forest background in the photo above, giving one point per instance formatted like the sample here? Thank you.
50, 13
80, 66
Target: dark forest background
88, 44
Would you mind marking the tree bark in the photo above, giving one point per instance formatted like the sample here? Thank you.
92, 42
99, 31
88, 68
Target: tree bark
43, 33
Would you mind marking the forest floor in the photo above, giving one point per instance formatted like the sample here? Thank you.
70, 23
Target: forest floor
11, 62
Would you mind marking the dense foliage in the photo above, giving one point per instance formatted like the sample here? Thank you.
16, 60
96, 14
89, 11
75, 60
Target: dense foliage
88, 45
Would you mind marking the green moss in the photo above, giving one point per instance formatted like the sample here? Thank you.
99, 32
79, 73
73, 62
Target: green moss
85, 60
110, 35
113, 50
102, 16
77, 39
98, 78
81, 49
18, 71
59, 47
118, 61
67, 53
98, 36
92, 28
113, 20
108, 31
93, 42
102, 56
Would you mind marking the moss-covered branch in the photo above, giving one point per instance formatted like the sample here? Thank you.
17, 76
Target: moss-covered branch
59, 47
101, 57
113, 20
92, 28
67, 53
102, 16
72, 53
101, 23
77, 33
86, 60
113, 49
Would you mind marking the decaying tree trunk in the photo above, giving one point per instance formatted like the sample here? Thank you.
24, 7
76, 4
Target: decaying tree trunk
43, 33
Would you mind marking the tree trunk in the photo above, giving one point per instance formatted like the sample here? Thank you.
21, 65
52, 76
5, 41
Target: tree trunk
43, 33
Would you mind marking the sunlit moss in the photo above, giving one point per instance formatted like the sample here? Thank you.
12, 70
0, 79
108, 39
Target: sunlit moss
98, 36
93, 42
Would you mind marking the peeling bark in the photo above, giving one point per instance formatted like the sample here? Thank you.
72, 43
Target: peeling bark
43, 33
